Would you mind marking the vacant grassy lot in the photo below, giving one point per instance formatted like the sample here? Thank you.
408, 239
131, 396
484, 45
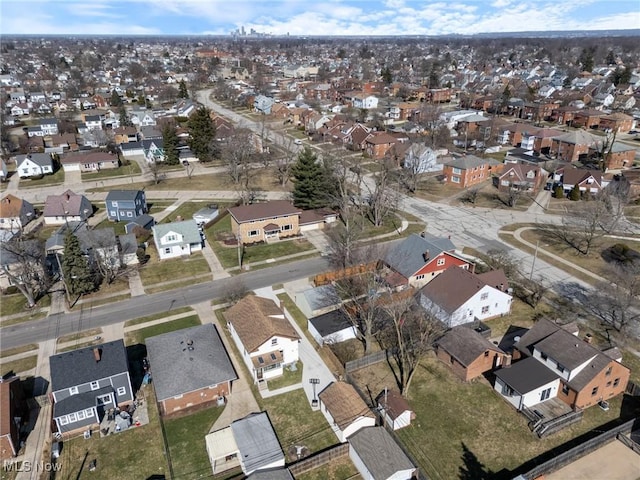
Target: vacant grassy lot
139, 336
185, 437
19, 366
125, 170
156, 270
296, 424
490, 197
47, 180
452, 415
430, 188
130, 455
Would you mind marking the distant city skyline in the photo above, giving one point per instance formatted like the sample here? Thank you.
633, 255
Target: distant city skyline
303, 17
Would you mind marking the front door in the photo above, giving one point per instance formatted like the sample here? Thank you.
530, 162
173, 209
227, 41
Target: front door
259, 374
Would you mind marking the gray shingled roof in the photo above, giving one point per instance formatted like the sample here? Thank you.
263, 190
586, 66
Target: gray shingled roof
263, 211
122, 195
331, 322
465, 344
379, 452
40, 159
271, 474
187, 228
407, 257
526, 375
79, 366
469, 161
257, 441
78, 402
179, 368
567, 349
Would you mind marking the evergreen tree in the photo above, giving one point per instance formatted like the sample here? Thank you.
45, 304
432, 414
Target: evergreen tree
313, 182
75, 267
386, 75
182, 90
611, 58
125, 121
115, 101
170, 144
202, 133
574, 194
559, 192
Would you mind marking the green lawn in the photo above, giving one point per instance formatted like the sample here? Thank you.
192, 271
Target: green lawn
125, 170
134, 454
16, 303
296, 424
138, 321
19, 366
72, 337
342, 469
118, 227
185, 436
185, 211
139, 336
47, 180
228, 255
16, 350
450, 412
287, 378
156, 270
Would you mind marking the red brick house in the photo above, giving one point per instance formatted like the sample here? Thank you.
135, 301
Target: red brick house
190, 368
587, 118
13, 412
469, 170
468, 353
589, 181
439, 95
620, 156
616, 122
517, 176
570, 146
377, 144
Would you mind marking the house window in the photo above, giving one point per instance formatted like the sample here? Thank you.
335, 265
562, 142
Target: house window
253, 233
72, 417
545, 394
419, 277
543, 356
129, 214
451, 359
64, 420
507, 391
112, 213
608, 372
81, 415
457, 171
122, 391
103, 399
484, 296
167, 250
565, 389
455, 179
274, 341
609, 383
486, 354
616, 382
485, 309
440, 262
594, 391
73, 391
177, 397
560, 368
285, 228
172, 238
114, 203
95, 385
88, 412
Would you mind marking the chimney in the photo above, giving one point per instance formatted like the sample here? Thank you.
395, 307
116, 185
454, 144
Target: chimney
97, 354
507, 361
425, 255
501, 287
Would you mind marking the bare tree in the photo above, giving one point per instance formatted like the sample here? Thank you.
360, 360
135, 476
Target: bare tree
156, 172
23, 264
104, 255
409, 334
471, 195
284, 163
382, 198
238, 150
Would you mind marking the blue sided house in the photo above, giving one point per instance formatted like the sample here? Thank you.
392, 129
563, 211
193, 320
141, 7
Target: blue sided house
125, 205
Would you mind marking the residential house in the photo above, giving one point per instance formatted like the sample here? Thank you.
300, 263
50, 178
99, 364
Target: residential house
131, 149
61, 143
12, 265
468, 353
125, 135
98, 244
49, 126
345, 411
394, 410
15, 213
377, 144
68, 207
249, 443
88, 383
618, 156
264, 222
176, 239
93, 122
572, 146
125, 204
142, 118
35, 131
540, 140
263, 104
589, 181
616, 122
588, 118
34, 165
468, 170
458, 297
564, 366
421, 159
366, 102
144, 221
190, 368
417, 259
263, 335
153, 150
377, 456
521, 177
128, 249
89, 161
331, 327
14, 412
206, 214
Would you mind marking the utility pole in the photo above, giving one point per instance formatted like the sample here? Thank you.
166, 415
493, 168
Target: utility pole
535, 256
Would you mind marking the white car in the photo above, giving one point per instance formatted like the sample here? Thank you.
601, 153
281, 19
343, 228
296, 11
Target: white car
297, 141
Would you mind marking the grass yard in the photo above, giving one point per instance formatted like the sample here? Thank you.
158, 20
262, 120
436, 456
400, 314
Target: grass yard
185, 436
17, 350
490, 197
46, 181
452, 416
185, 211
156, 270
296, 424
139, 336
118, 227
19, 366
73, 337
130, 455
150, 318
430, 188
125, 170
17, 303
341, 469
287, 378
522, 315
157, 206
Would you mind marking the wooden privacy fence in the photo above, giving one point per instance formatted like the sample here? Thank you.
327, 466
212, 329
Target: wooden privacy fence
318, 459
365, 361
328, 277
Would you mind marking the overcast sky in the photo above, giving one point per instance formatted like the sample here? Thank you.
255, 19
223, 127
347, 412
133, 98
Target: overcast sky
313, 17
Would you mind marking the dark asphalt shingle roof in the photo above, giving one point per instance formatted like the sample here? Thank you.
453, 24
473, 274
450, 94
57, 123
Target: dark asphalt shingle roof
452, 288
465, 344
407, 257
122, 195
569, 350
262, 211
331, 322
81, 401
526, 375
177, 369
77, 367
379, 452
271, 474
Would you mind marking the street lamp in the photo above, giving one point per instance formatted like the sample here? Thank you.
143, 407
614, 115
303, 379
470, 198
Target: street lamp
314, 382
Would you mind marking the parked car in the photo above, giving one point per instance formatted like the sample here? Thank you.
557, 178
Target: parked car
633, 132
185, 163
297, 141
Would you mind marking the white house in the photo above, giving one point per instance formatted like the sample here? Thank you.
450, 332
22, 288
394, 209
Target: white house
527, 383
143, 118
264, 336
93, 122
49, 126
377, 456
177, 239
422, 159
345, 411
34, 165
365, 101
153, 150
394, 410
457, 296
